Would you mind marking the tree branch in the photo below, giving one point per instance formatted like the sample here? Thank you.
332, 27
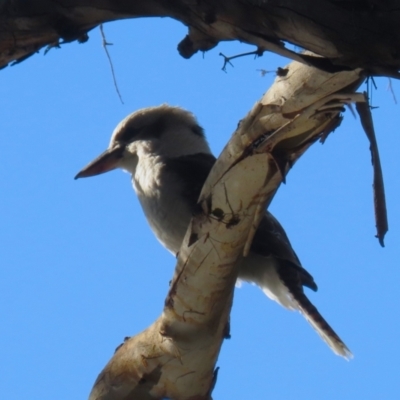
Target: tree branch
348, 34
175, 357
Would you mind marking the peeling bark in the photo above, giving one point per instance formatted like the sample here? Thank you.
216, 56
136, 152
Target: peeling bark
349, 34
381, 220
175, 357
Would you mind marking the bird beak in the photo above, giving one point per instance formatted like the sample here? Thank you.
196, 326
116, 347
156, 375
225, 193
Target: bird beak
105, 162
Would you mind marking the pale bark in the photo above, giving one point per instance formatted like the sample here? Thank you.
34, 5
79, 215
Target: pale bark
348, 33
175, 357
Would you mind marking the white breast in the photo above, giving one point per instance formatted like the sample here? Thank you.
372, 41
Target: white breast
160, 196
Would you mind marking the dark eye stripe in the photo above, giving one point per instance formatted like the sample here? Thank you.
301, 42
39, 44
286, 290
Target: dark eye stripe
198, 130
130, 133
157, 128
126, 135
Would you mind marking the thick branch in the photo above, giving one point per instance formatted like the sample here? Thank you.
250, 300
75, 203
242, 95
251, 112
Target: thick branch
175, 357
348, 33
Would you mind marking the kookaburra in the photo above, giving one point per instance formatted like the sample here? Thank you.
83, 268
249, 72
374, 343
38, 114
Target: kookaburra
165, 151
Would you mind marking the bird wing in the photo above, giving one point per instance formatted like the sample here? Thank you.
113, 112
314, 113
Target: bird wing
270, 239
292, 281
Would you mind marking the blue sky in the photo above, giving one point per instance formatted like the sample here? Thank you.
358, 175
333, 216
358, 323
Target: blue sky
81, 269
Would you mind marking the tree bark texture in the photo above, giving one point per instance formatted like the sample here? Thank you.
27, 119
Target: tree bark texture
348, 34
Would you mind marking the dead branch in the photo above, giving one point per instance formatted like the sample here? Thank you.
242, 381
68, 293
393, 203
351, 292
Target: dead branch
381, 220
105, 44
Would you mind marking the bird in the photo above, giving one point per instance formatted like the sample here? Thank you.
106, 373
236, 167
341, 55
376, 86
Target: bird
166, 152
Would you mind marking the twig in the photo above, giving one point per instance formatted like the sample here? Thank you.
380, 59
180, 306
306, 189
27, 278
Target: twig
390, 87
105, 44
279, 71
371, 85
263, 72
227, 60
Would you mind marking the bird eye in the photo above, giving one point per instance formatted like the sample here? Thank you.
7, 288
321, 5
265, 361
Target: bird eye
198, 130
127, 135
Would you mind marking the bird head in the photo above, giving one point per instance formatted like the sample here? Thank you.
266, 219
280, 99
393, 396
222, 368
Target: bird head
163, 131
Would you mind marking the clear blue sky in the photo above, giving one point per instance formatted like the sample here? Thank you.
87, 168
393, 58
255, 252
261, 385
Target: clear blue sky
80, 269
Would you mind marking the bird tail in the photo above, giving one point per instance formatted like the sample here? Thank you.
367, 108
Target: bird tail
283, 282
292, 279
318, 322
